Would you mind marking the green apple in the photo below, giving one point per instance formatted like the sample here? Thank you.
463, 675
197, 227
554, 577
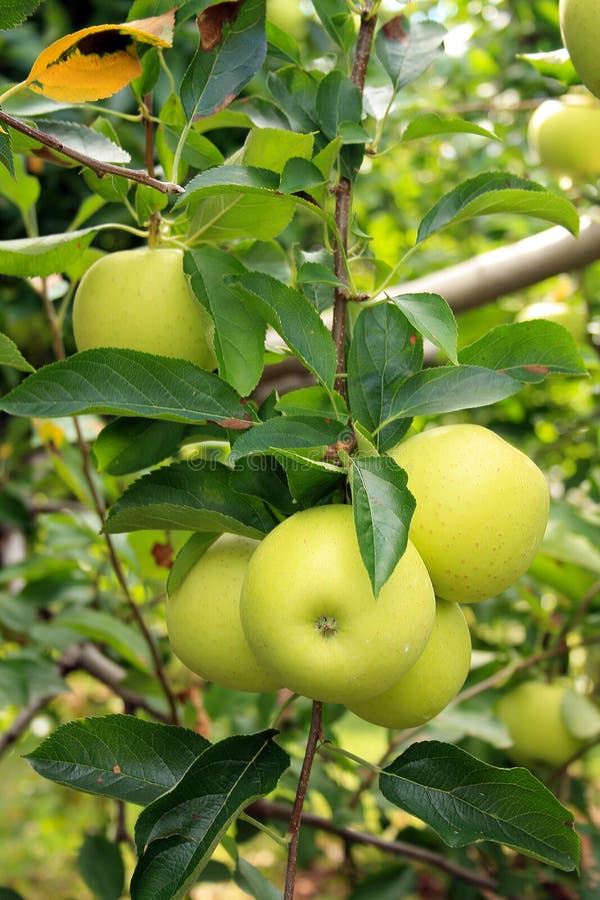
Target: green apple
310, 616
566, 135
433, 681
580, 27
203, 619
532, 712
482, 509
570, 316
141, 300
287, 15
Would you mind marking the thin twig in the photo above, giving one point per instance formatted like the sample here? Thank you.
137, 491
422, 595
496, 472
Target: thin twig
100, 168
265, 809
16, 728
296, 814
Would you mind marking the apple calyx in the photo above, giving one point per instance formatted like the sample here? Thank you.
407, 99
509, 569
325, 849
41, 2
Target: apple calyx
327, 626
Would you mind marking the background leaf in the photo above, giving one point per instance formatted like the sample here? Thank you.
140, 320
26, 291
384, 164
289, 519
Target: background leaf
118, 756
43, 256
10, 355
13, 12
406, 49
466, 800
128, 445
101, 866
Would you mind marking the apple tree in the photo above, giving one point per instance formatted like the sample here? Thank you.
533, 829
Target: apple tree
326, 546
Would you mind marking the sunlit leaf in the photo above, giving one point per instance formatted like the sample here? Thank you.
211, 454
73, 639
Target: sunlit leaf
97, 61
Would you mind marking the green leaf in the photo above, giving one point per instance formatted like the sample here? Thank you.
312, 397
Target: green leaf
252, 881
431, 124
6, 153
13, 12
117, 756
287, 433
467, 801
337, 21
406, 49
554, 64
309, 480
300, 175
104, 628
101, 866
433, 318
313, 401
26, 257
176, 835
25, 677
449, 388
127, 382
295, 91
19, 187
239, 338
190, 496
10, 355
294, 318
83, 139
384, 351
129, 445
527, 351
273, 148
338, 100
498, 192
383, 507
231, 52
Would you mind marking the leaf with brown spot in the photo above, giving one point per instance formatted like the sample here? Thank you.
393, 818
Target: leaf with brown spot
96, 62
211, 21
394, 30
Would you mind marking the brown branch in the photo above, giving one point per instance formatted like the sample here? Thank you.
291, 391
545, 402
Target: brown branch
14, 731
100, 168
264, 809
296, 812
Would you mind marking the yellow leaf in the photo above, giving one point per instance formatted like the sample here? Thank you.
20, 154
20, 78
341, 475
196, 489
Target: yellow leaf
98, 61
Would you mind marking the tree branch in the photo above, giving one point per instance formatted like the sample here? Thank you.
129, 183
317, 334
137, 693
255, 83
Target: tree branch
100, 168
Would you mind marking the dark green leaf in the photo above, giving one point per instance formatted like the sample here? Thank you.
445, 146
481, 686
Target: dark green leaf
433, 318
384, 351
383, 507
449, 388
13, 12
26, 257
406, 49
127, 382
118, 756
309, 479
190, 496
252, 881
101, 866
295, 91
177, 834
498, 192
239, 332
317, 273
466, 801
337, 21
338, 100
527, 351
287, 433
6, 153
430, 124
128, 445
266, 481
10, 355
300, 175
232, 50
313, 401
294, 318
84, 139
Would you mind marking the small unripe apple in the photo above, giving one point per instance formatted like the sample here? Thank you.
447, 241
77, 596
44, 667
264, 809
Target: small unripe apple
141, 300
203, 619
532, 712
482, 509
571, 317
566, 135
434, 680
310, 616
580, 27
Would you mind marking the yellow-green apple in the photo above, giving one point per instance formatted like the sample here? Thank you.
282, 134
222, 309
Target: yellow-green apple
571, 316
288, 16
203, 618
580, 27
310, 616
141, 300
434, 680
566, 135
482, 509
532, 712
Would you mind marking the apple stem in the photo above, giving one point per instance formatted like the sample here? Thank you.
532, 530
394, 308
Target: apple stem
314, 736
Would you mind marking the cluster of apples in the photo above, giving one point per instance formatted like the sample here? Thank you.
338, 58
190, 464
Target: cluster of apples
297, 611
